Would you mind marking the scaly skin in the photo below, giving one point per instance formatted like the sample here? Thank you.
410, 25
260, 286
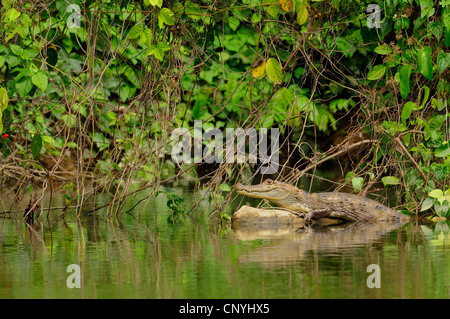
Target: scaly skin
312, 206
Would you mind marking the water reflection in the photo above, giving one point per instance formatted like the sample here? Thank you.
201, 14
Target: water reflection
144, 256
294, 244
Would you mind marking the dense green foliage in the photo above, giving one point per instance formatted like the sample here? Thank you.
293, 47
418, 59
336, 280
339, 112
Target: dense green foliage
104, 89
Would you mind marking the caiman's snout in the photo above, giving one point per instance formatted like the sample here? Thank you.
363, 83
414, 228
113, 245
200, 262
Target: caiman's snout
240, 188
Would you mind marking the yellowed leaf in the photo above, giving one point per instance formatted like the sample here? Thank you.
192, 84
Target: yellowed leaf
439, 219
3, 99
259, 69
302, 15
286, 5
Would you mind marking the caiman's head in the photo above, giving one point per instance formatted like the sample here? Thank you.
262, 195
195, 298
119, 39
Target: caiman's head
269, 189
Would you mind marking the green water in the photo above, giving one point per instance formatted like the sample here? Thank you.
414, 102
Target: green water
147, 257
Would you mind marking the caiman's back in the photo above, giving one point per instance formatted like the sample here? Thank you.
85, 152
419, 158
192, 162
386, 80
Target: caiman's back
358, 208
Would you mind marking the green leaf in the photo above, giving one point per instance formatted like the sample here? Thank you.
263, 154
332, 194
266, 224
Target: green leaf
163, 46
24, 87
224, 188
158, 3
345, 45
40, 80
7, 4
101, 141
158, 50
17, 50
427, 203
446, 17
192, 10
425, 97
357, 183
443, 150
23, 72
302, 14
11, 33
407, 110
426, 8
233, 23
298, 72
424, 62
446, 196
447, 36
12, 14
376, 72
61, 6
436, 193
136, 31
33, 68
80, 108
196, 111
437, 28
383, 49
273, 10
256, 17
349, 175
340, 104
148, 36
407, 139
442, 210
404, 73
178, 9
151, 49
12, 60
443, 61
274, 70
166, 15
402, 22
36, 145
390, 180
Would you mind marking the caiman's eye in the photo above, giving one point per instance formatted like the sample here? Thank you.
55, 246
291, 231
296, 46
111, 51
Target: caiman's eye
269, 181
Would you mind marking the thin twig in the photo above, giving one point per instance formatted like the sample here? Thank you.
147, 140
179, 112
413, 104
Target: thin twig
297, 175
397, 140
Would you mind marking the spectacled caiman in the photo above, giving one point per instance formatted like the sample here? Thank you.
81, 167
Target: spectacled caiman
313, 206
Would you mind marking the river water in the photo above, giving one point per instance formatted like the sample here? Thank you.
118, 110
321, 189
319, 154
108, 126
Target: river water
145, 256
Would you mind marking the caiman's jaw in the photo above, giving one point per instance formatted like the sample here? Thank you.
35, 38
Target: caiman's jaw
270, 190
